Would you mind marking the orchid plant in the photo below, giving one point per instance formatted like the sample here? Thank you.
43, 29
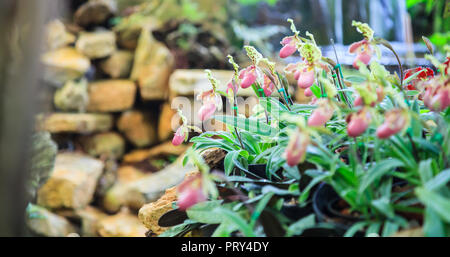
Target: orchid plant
381, 141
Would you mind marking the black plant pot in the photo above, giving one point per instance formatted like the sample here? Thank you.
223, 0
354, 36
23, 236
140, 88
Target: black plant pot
324, 202
296, 212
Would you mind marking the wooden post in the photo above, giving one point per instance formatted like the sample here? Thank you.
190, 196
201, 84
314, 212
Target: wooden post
21, 34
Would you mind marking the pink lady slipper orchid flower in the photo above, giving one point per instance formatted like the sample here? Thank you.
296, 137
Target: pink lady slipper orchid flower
211, 102
248, 76
321, 115
180, 136
437, 97
268, 86
306, 78
362, 49
363, 52
395, 121
303, 73
295, 152
289, 46
190, 192
358, 122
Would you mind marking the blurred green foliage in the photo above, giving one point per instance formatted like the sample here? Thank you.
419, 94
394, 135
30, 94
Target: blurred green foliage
432, 16
250, 2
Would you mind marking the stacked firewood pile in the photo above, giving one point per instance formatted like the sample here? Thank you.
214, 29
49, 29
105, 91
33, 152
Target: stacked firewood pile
116, 91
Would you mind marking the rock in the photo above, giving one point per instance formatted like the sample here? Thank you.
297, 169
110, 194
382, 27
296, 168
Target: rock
111, 95
45, 223
95, 12
90, 218
167, 122
166, 148
96, 44
138, 128
64, 64
127, 174
191, 82
122, 224
128, 38
75, 122
72, 183
73, 96
150, 213
108, 178
43, 153
57, 35
152, 66
147, 189
129, 29
108, 145
118, 65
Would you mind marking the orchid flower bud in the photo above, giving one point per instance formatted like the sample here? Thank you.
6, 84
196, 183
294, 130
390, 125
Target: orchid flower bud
306, 78
295, 152
321, 115
394, 122
248, 76
308, 92
179, 136
358, 123
289, 47
190, 192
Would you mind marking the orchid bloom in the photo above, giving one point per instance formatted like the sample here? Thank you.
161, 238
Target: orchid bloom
248, 76
268, 86
211, 101
180, 136
426, 73
437, 97
394, 122
362, 49
182, 132
190, 192
321, 115
305, 72
363, 52
289, 46
295, 152
358, 122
